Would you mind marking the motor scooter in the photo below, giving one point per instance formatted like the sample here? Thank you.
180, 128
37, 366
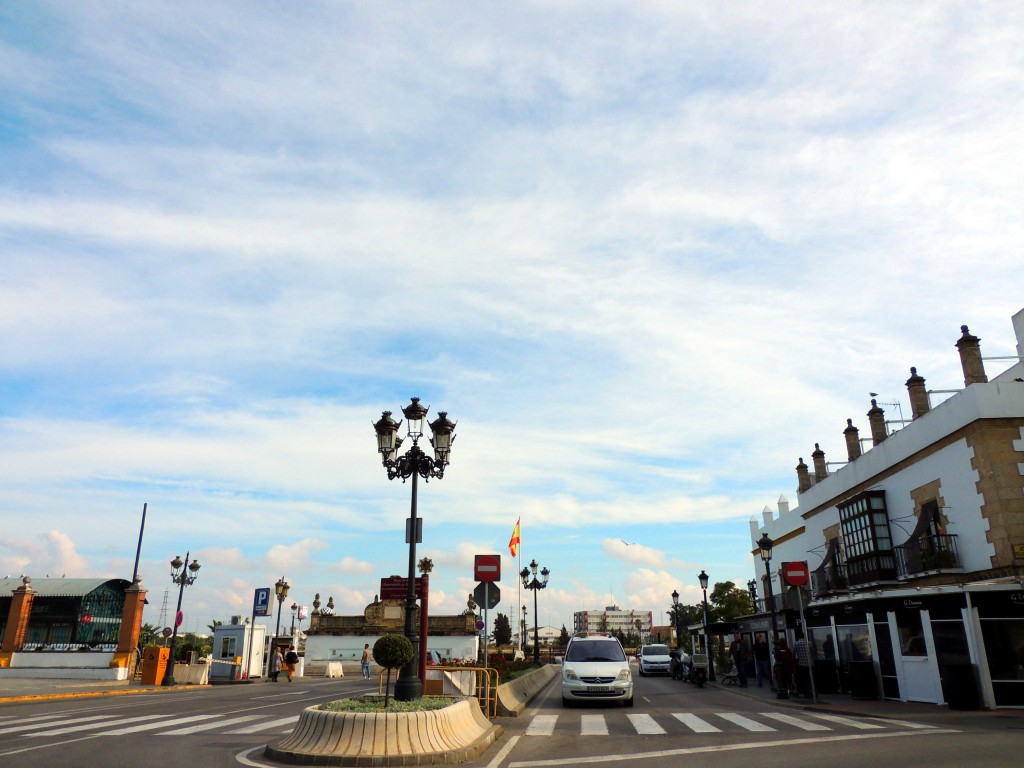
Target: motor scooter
698, 669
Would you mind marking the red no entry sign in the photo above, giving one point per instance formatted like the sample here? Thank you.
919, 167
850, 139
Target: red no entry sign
795, 574
487, 567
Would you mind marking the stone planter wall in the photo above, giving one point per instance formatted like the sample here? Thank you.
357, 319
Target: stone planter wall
451, 735
514, 696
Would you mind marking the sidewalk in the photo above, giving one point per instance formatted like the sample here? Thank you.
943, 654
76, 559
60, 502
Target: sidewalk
844, 704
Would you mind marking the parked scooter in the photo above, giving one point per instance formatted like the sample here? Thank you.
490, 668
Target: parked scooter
689, 669
699, 669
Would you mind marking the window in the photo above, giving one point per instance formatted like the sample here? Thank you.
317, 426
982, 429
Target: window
864, 520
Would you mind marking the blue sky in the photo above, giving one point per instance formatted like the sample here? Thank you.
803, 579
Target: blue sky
646, 255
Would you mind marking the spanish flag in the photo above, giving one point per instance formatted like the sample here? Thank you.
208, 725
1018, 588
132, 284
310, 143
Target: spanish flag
513, 543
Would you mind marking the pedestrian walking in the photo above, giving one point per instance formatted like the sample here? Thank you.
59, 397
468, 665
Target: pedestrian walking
739, 649
367, 655
762, 660
276, 663
291, 662
802, 652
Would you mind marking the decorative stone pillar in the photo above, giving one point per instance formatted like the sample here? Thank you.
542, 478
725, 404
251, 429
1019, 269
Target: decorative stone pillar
970, 358
131, 624
918, 394
876, 418
803, 477
17, 621
852, 435
820, 468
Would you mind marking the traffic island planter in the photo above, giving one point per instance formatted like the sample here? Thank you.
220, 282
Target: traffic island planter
454, 734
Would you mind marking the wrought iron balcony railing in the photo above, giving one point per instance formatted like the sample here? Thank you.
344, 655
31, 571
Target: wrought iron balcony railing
929, 553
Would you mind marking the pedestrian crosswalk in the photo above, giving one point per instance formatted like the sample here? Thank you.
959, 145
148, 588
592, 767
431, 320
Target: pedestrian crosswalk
707, 723
46, 726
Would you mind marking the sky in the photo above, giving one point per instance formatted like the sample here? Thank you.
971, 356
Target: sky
645, 254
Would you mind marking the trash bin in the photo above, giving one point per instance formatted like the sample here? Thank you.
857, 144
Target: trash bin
863, 683
154, 664
826, 676
960, 686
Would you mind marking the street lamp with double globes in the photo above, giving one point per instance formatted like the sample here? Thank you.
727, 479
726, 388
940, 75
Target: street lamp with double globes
281, 590
752, 590
535, 585
703, 578
415, 464
183, 574
765, 544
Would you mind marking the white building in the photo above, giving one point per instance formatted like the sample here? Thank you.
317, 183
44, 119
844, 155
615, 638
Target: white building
614, 619
916, 544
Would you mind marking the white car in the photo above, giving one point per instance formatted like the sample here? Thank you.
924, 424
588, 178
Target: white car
595, 668
654, 660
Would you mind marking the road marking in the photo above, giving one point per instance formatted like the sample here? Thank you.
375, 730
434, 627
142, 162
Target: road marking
50, 724
91, 726
694, 723
500, 757
154, 726
542, 725
593, 725
907, 724
745, 722
759, 745
846, 721
266, 726
645, 725
210, 726
795, 721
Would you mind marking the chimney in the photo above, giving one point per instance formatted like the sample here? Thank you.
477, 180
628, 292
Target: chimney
876, 418
783, 506
852, 435
918, 394
970, 358
820, 470
766, 514
803, 478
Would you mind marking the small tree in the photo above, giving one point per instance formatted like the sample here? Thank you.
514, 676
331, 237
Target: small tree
392, 652
563, 638
502, 630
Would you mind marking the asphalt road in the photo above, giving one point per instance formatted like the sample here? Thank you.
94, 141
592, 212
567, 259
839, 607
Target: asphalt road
198, 728
672, 723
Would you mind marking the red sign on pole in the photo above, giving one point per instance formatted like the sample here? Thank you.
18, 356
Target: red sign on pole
795, 573
487, 568
397, 588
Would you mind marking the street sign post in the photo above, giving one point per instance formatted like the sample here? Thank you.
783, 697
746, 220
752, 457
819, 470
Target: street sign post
397, 588
261, 602
795, 573
487, 568
487, 595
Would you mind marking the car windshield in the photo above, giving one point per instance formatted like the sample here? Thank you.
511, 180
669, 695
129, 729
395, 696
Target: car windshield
594, 650
655, 650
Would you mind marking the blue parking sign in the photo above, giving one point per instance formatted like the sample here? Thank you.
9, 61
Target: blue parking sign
261, 602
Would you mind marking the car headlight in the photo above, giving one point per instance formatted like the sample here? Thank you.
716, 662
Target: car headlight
568, 674
625, 675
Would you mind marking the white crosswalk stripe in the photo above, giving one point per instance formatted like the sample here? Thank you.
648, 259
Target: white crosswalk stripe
694, 723
646, 725
796, 722
712, 722
40, 723
209, 726
92, 726
593, 725
267, 726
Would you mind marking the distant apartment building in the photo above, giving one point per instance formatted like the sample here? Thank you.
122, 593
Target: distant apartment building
915, 544
614, 619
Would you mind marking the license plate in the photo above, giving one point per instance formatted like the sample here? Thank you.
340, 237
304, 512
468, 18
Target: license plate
598, 688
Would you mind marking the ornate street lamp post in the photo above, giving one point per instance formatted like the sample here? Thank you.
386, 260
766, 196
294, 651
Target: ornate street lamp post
765, 544
281, 588
415, 464
675, 616
535, 585
522, 633
703, 578
184, 575
752, 589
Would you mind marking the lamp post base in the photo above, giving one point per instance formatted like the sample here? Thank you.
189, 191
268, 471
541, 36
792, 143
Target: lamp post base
409, 686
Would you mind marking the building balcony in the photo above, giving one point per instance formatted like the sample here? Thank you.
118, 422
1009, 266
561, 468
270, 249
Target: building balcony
927, 555
830, 580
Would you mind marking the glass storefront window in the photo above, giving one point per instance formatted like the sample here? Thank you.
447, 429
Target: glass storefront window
854, 643
1004, 646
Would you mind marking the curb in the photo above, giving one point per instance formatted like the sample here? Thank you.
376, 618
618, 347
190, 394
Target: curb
94, 694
